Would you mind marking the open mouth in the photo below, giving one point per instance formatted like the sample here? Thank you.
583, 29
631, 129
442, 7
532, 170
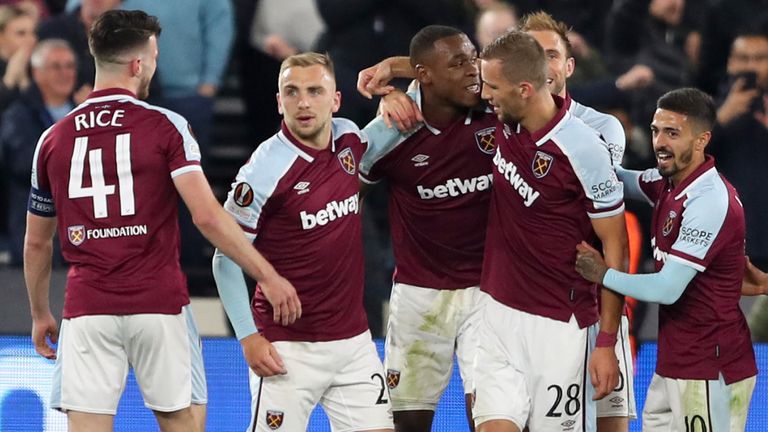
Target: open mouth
473, 88
305, 119
664, 156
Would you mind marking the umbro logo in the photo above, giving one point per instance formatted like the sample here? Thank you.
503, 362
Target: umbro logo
420, 160
301, 188
617, 400
568, 425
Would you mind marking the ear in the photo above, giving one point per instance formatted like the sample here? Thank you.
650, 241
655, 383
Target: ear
135, 66
423, 75
570, 66
279, 103
703, 140
336, 101
525, 89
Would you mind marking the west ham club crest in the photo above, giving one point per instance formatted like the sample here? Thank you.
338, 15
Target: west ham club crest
393, 378
542, 162
76, 234
669, 223
486, 142
347, 160
275, 419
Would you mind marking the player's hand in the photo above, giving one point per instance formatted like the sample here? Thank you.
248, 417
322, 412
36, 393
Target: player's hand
755, 281
44, 327
603, 371
375, 79
261, 356
398, 107
283, 297
590, 263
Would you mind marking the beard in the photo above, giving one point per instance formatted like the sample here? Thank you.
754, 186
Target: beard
678, 164
144, 89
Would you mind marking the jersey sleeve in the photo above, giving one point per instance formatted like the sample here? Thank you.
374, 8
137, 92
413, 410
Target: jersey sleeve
703, 217
613, 135
593, 167
256, 183
183, 151
40, 200
382, 140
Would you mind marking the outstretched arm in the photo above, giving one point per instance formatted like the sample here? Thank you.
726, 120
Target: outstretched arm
221, 230
664, 287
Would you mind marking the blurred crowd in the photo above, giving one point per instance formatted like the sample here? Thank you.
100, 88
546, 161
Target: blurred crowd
629, 52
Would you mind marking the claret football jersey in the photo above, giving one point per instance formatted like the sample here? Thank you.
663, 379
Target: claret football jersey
106, 172
301, 206
547, 186
440, 186
700, 223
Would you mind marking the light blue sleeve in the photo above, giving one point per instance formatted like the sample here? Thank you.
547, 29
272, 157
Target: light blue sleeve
218, 28
72, 5
631, 180
664, 287
234, 295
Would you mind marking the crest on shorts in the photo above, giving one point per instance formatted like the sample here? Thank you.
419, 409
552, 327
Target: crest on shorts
541, 164
243, 194
347, 160
669, 223
393, 378
275, 419
486, 142
76, 234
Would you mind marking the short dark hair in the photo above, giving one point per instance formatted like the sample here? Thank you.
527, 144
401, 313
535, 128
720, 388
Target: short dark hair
117, 32
522, 58
423, 42
691, 102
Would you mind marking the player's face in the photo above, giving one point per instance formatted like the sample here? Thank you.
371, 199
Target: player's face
676, 143
453, 72
503, 95
559, 65
18, 33
56, 77
148, 67
307, 100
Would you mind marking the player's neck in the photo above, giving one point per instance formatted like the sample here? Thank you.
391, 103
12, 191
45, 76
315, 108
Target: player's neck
320, 141
680, 176
437, 111
107, 81
541, 110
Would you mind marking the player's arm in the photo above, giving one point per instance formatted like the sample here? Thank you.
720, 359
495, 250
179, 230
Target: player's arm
374, 80
631, 180
38, 250
224, 233
755, 281
665, 286
259, 353
612, 232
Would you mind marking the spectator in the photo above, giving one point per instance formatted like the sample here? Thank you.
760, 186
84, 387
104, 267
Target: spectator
17, 39
44, 102
494, 21
649, 36
73, 27
196, 40
739, 140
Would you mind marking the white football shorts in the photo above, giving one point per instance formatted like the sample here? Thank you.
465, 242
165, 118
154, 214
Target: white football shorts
426, 328
344, 376
95, 352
